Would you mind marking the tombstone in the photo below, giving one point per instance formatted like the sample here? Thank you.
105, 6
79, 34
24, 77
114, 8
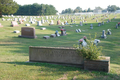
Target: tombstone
58, 22
81, 24
46, 17
14, 23
16, 31
28, 32
109, 32
103, 34
66, 22
46, 37
102, 22
3, 19
15, 19
99, 24
53, 35
116, 26
79, 30
62, 23
96, 20
91, 26
71, 20
57, 34
1, 25
30, 20
20, 22
118, 23
76, 30
39, 23
27, 24
51, 22
63, 32
42, 28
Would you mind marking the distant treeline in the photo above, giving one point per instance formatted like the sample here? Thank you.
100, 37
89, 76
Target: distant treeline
36, 9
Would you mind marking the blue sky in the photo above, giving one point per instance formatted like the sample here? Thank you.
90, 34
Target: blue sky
64, 4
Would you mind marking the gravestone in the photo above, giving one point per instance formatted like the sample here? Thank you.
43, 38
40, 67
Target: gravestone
3, 19
42, 28
20, 22
102, 22
16, 31
81, 24
58, 22
39, 23
91, 26
103, 34
46, 37
99, 24
76, 30
52, 35
27, 24
42, 21
79, 30
63, 32
28, 32
14, 23
57, 34
51, 22
1, 25
109, 32
71, 20
116, 26
62, 23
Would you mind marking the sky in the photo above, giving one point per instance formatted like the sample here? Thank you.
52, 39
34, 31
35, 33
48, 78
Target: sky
65, 4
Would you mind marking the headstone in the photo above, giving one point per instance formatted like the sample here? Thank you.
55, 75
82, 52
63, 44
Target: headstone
28, 32
103, 35
1, 25
76, 30
116, 26
39, 23
63, 32
3, 19
27, 24
57, 34
102, 22
91, 26
58, 22
51, 22
42, 21
46, 37
81, 24
16, 31
42, 28
99, 24
52, 35
32, 22
109, 32
14, 23
71, 20
79, 30
20, 22
62, 23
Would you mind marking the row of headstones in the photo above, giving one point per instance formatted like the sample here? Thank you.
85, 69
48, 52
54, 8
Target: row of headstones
63, 33
29, 32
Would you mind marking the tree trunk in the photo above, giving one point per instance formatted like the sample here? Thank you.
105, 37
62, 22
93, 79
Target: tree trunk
0, 14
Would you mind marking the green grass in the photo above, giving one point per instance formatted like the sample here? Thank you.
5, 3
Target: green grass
14, 51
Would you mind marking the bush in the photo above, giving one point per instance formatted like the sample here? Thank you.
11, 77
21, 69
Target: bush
90, 52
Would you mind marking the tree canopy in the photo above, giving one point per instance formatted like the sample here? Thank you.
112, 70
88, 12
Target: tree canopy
36, 9
8, 7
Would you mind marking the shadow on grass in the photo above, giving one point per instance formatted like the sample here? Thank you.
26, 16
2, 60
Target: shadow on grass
70, 71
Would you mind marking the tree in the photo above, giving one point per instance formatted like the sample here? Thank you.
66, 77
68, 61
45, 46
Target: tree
8, 7
77, 10
112, 8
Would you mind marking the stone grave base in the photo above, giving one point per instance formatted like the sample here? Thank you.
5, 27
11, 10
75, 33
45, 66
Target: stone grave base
27, 36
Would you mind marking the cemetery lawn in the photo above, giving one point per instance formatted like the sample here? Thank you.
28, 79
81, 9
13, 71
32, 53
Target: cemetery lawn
14, 51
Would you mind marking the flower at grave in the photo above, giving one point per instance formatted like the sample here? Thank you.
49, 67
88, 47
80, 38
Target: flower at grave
80, 41
85, 38
61, 29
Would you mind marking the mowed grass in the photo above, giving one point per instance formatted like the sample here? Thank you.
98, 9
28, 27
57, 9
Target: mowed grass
14, 51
